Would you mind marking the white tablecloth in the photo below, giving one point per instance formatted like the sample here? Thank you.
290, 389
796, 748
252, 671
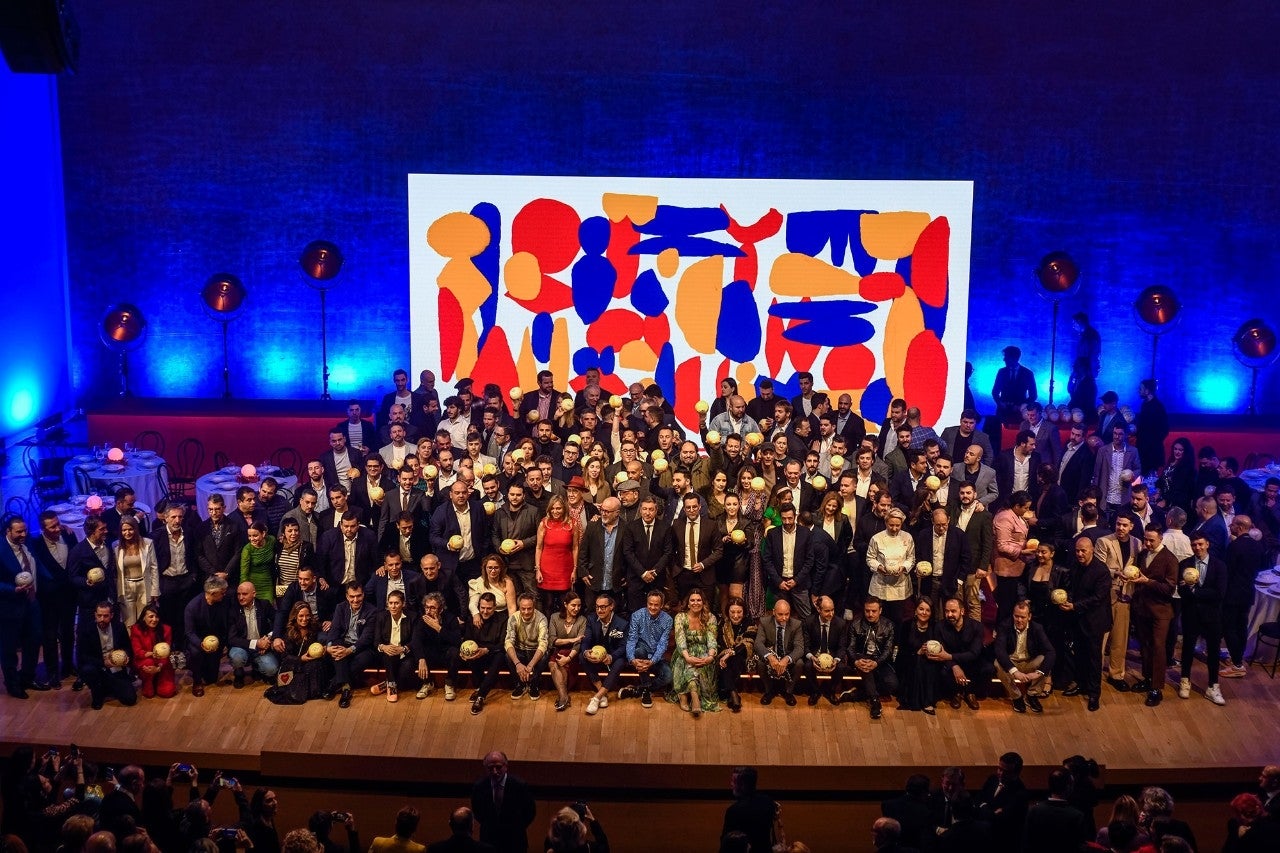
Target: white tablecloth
73, 514
226, 481
1266, 608
1256, 478
138, 471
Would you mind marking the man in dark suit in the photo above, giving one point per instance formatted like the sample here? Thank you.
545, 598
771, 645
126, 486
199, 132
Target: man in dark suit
126, 499
416, 402
1109, 465
369, 504
694, 567
1088, 612
545, 400
401, 498
1202, 614
517, 520
601, 567
219, 544
348, 644
206, 615
1245, 557
848, 422
955, 440
788, 563
246, 511
1075, 465
779, 649
504, 806
1009, 463
19, 613
887, 440
330, 518
1055, 825
977, 525
1048, 439
339, 459
395, 575
1014, 386
347, 554
607, 629
966, 672
460, 558
1212, 525
91, 553
359, 432
56, 596
461, 827
249, 635
911, 810
869, 653
752, 813
647, 551
1003, 802
321, 597
1022, 672
946, 549
407, 538
178, 562
96, 643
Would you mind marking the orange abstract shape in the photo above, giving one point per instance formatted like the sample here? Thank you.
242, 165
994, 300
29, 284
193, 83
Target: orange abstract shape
891, 235
796, 274
668, 262
621, 238
525, 365
522, 276
747, 266
776, 346
453, 329
637, 355
547, 228
559, 363
698, 303
882, 286
848, 367
925, 381
905, 321
746, 376
458, 235
638, 208
929, 263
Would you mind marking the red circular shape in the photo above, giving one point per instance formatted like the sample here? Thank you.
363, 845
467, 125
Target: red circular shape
548, 230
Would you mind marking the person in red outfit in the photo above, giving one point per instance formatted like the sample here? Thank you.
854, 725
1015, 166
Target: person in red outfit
158, 677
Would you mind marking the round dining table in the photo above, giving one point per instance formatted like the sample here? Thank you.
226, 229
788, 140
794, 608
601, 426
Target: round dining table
1266, 607
72, 514
138, 470
226, 481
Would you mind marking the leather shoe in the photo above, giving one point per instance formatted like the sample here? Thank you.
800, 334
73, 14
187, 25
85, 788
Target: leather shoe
971, 701
1141, 686
16, 692
96, 704
1020, 706
328, 694
38, 686
766, 698
1119, 684
78, 684
833, 698
790, 699
1093, 703
1154, 698
197, 690
1073, 690
344, 701
876, 711
238, 679
813, 699
955, 702
1034, 704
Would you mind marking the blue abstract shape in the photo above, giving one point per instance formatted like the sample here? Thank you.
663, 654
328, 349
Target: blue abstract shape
786, 390
488, 263
739, 335
593, 235
935, 319
606, 361
665, 373
540, 337
585, 359
688, 247
835, 323
592, 278
674, 227
810, 231
647, 295
875, 401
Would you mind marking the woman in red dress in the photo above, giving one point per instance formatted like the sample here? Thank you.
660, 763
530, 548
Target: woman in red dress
156, 672
557, 553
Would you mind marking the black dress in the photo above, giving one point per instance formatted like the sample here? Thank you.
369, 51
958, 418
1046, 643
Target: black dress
917, 675
299, 680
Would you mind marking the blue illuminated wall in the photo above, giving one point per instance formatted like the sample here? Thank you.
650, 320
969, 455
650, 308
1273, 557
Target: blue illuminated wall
203, 137
34, 381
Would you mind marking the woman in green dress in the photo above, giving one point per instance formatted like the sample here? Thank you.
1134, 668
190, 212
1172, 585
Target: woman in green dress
693, 669
258, 562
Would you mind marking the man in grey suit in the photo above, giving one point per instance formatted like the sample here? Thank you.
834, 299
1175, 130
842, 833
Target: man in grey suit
957, 439
982, 476
779, 649
1048, 439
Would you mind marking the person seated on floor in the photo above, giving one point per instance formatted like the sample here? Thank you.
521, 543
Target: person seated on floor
825, 635
347, 644
392, 634
526, 646
250, 635
967, 672
437, 638
779, 648
870, 654
154, 671
488, 637
320, 598
104, 655
207, 621
648, 639
1024, 655
608, 630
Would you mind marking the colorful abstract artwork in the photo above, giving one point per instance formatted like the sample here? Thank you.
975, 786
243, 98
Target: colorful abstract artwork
684, 282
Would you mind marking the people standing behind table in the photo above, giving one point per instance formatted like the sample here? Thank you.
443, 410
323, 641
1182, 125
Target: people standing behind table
1202, 597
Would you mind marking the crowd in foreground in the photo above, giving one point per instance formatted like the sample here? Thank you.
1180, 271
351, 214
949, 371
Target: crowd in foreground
465, 541
62, 802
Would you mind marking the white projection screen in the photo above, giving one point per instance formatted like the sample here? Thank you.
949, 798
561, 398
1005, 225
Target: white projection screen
864, 284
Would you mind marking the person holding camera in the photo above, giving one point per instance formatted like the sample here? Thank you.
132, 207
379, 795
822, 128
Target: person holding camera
574, 829
321, 825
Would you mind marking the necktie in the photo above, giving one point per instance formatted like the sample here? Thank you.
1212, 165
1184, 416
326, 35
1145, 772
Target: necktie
648, 534
824, 636
691, 545
1204, 570
782, 642
497, 795
26, 561
404, 500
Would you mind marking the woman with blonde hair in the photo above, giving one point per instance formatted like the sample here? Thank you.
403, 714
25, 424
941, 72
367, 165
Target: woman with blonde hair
493, 578
556, 555
574, 829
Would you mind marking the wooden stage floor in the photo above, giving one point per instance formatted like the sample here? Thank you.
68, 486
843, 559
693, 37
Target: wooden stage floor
822, 751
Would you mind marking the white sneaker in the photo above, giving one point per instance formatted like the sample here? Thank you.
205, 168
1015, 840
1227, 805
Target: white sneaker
604, 701
593, 706
449, 693
1214, 695
1184, 688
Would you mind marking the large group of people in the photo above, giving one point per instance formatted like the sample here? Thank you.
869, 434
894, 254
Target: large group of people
583, 534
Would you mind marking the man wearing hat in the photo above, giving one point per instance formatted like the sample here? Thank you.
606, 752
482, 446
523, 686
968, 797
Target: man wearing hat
1014, 386
628, 492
